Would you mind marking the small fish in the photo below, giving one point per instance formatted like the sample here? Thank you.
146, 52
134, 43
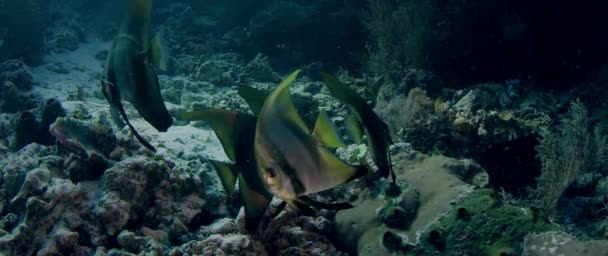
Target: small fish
376, 130
292, 161
130, 74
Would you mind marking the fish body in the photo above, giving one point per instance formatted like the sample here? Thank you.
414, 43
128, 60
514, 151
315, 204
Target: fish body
130, 74
291, 161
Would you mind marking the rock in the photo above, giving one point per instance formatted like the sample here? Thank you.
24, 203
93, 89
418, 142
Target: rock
13, 100
112, 212
51, 109
27, 130
232, 244
63, 241
18, 73
432, 187
259, 70
15, 167
85, 138
559, 243
35, 182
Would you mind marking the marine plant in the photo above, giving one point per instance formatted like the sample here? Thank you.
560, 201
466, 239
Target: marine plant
566, 153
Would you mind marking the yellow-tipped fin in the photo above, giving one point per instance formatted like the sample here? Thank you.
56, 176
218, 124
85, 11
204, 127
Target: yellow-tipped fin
222, 122
227, 175
159, 51
325, 132
354, 128
254, 98
255, 204
281, 99
338, 171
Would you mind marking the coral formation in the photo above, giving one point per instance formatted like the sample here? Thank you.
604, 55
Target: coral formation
491, 157
17, 73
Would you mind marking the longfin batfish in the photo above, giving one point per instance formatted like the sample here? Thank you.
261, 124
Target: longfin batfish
376, 130
130, 73
291, 161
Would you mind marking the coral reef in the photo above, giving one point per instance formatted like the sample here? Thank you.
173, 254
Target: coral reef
460, 84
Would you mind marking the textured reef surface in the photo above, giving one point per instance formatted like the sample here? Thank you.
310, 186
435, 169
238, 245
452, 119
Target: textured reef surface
497, 118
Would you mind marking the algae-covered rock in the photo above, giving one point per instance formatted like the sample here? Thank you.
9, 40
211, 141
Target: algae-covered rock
16, 72
27, 129
84, 137
433, 185
481, 222
13, 100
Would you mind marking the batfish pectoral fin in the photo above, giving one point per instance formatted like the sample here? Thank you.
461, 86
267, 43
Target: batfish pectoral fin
325, 132
329, 206
159, 51
254, 98
223, 124
255, 204
227, 174
354, 128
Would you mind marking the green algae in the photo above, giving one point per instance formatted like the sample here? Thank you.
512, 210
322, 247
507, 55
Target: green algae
493, 227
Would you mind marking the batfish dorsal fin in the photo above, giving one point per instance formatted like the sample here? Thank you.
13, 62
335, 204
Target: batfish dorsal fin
254, 98
279, 102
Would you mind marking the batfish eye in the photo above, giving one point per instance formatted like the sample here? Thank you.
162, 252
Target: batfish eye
271, 172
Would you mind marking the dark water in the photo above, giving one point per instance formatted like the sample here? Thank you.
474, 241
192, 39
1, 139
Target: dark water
491, 115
